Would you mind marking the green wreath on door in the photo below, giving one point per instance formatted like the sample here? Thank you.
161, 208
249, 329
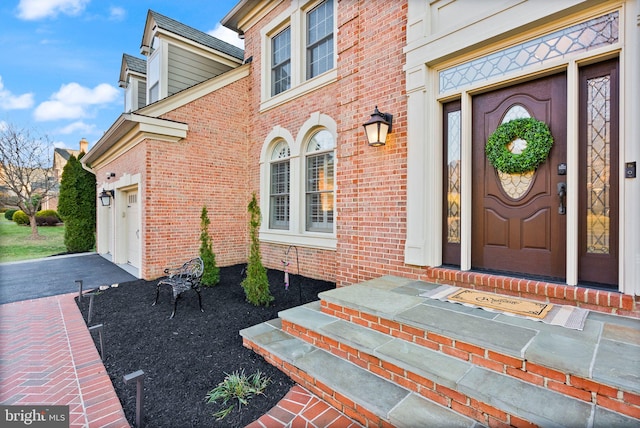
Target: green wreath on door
534, 132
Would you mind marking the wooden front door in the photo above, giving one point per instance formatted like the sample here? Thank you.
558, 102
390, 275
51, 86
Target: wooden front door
518, 226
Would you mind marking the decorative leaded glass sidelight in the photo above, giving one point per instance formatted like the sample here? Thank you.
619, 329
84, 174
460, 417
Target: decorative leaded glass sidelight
454, 178
585, 36
598, 164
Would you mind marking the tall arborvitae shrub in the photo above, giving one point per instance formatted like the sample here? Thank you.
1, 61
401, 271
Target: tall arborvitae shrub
256, 284
77, 206
211, 275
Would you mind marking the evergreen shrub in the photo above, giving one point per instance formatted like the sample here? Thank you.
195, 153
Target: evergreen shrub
256, 284
77, 206
20, 217
211, 274
8, 214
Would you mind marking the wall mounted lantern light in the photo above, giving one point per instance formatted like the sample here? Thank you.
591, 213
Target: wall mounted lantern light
105, 197
378, 127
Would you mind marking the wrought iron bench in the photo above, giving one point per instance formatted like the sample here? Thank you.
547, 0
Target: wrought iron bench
187, 277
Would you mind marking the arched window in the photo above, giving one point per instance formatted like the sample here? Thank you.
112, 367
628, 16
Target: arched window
319, 191
279, 188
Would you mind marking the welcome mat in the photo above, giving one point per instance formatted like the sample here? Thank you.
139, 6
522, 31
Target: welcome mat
565, 316
503, 303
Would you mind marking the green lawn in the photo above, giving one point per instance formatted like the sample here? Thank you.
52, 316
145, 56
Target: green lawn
15, 242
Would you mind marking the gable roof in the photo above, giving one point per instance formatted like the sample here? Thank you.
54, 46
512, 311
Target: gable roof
66, 153
171, 25
134, 64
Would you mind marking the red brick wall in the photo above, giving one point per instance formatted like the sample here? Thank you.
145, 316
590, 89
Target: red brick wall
209, 167
371, 180
370, 187
314, 263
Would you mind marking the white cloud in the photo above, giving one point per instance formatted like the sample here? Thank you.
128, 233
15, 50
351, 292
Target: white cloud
77, 127
60, 145
31, 10
74, 101
8, 101
226, 35
117, 13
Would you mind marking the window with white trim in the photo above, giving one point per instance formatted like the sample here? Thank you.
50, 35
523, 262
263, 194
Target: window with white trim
320, 39
299, 51
153, 71
319, 183
281, 61
280, 179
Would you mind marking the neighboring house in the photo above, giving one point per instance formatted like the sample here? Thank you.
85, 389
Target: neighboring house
60, 158
284, 119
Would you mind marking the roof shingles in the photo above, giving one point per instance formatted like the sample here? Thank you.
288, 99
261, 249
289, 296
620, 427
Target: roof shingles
197, 36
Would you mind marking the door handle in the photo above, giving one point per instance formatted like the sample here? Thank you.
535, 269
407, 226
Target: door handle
562, 193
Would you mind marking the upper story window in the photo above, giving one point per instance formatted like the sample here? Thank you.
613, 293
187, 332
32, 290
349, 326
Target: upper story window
298, 52
281, 62
153, 72
128, 96
319, 182
320, 39
279, 187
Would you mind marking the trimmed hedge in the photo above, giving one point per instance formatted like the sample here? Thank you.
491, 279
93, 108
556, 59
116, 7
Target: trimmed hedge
9, 214
47, 218
20, 217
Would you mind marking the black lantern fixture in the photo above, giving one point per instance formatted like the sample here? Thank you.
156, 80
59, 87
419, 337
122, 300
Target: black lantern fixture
105, 197
378, 127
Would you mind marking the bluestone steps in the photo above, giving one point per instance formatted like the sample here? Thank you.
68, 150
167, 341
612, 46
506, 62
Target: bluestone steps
365, 390
378, 349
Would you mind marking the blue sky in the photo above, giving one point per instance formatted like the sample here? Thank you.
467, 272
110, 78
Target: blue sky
60, 59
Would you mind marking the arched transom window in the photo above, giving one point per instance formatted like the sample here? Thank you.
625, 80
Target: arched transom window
280, 186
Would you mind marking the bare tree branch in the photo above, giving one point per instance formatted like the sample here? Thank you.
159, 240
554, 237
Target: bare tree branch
26, 168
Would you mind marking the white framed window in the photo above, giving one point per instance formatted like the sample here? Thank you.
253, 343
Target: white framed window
153, 71
320, 174
279, 180
297, 184
319, 39
299, 52
128, 96
281, 61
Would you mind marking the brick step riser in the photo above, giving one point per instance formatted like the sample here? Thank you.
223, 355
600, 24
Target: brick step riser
447, 397
610, 302
342, 403
577, 387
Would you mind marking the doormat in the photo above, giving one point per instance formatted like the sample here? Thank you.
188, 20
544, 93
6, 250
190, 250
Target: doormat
561, 315
502, 303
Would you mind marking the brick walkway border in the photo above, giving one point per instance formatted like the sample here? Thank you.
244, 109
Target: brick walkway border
47, 357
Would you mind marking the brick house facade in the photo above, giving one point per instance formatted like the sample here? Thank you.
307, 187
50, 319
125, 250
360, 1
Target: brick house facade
218, 141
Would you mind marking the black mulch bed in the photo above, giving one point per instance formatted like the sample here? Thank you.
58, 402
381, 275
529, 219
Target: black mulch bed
189, 355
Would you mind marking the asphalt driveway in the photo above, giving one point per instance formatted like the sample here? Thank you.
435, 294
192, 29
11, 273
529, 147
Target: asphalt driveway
51, 276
